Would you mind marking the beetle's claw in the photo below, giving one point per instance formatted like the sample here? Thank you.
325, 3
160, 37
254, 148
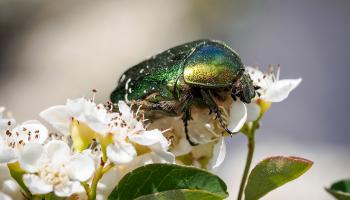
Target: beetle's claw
190, 141
234, 97
229, 132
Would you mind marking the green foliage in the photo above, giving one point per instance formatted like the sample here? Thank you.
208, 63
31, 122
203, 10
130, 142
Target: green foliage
272, 173
52, 196
166, 181
340, 190
181, 195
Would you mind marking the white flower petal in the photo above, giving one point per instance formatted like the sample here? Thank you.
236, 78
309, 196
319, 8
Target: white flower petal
124, 109
163, 153
121, 152
156, 141
36, 185
58, 117
151, 137
4, 196
76, 106
168, 157
35, 128
257, 76
253, 111
57, 151
7, 154
4, 123
31, 156
68, 189
238, 116
219, 153
94, 116
11, 188
108, 182
4, 173
280, 90
80, 167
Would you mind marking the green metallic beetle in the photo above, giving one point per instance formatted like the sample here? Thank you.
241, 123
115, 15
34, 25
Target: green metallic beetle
194, 73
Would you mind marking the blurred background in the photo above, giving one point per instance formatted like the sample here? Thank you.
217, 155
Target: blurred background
54, 50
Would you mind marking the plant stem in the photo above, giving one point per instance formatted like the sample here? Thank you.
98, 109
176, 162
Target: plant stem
107, 168
98, 175
251, 147
86, 187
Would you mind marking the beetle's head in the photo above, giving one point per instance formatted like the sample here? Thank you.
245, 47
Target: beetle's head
244, 88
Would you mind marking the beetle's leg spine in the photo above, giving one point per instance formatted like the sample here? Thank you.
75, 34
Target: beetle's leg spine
213, 108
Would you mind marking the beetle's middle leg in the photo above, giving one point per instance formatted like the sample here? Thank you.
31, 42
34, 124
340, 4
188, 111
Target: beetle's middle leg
213, 107
157, 102
169, 107
186, 116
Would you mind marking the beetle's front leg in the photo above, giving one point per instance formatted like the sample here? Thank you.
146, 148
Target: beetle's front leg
213, 107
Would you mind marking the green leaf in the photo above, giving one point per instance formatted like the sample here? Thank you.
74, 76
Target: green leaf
161, 181
52, 196
180, 195
273, 172
340, 190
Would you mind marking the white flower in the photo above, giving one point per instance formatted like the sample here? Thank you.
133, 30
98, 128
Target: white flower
272, 89
84, 111
13, 141
54, 168
209, 156
218, 156
237, 117
4, 196
130, 138
8, 187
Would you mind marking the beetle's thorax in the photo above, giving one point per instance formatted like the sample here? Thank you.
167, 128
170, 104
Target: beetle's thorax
212, 65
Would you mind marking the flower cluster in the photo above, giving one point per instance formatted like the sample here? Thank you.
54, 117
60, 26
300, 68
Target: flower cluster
91, 141
92, 146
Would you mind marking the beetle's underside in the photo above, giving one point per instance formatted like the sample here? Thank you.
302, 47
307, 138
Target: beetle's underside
201, 97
